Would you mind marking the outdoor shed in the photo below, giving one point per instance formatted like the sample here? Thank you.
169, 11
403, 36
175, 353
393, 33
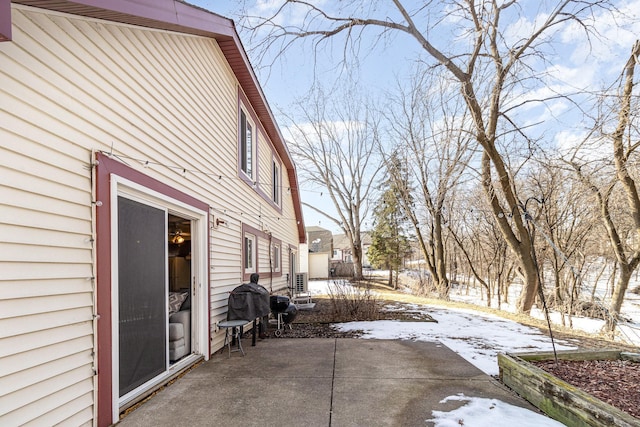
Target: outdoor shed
142, 178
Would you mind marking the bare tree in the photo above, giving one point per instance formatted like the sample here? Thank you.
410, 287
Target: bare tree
488, 63
333, 140
485, 252
625, 143
427, 126
566, 224
624, 139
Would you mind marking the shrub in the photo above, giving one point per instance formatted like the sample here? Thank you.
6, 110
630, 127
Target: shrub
351, 303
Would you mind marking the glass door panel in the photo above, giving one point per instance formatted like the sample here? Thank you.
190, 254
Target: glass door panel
142, 304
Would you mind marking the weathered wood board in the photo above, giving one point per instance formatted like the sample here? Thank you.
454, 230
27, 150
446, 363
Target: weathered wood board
558, 399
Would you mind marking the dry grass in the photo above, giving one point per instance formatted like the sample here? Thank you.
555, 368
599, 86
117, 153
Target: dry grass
352, 303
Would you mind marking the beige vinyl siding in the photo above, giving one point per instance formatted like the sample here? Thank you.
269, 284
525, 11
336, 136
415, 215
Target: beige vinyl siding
74, 85
46, 291
265, 156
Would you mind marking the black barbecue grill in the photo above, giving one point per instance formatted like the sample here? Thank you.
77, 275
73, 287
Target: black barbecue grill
249, 302
283, 310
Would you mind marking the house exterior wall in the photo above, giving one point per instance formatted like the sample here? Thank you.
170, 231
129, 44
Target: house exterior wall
163, 103
320, 239
303, 250
318, 265
343, 252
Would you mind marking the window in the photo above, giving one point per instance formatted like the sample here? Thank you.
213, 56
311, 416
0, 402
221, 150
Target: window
246, 145
249, 253
275, 183
275, 257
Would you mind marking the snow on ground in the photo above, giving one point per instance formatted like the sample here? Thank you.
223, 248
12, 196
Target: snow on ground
628, 332
482, 412
477, 337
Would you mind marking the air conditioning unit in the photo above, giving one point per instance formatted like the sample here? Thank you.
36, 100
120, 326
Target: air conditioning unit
302, 296
302, 283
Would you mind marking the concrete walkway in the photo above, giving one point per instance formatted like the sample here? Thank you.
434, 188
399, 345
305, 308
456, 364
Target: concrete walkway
320, 382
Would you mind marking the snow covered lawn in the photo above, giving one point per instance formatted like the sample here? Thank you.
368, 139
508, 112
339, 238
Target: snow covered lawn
478, 337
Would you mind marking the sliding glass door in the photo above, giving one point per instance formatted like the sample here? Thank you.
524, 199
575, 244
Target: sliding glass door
142, 293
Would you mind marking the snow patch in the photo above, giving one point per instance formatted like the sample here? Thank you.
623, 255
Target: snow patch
475, 336
482, 412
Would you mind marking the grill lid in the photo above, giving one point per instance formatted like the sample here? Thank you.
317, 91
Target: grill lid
248, 301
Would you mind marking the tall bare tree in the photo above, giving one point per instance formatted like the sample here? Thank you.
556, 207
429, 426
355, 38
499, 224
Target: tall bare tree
333, 140
428, 127
566, 225
625, 141
489, 64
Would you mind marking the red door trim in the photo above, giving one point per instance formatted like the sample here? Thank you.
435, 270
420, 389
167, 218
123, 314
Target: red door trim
105, 166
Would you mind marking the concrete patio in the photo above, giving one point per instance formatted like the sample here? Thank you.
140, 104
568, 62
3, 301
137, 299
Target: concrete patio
320, 382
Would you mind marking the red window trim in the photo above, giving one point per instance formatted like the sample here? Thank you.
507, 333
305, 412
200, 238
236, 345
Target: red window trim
261, 237
258, 134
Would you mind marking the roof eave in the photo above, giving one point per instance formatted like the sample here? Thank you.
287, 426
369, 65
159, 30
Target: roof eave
174, 15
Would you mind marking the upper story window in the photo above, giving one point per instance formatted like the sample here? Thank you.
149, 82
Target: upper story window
246, 145
275, 182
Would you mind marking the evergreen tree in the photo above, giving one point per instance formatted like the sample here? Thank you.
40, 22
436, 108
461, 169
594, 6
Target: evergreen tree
389, 242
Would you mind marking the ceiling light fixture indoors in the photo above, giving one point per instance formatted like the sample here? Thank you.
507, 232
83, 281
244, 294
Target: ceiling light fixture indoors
177, 238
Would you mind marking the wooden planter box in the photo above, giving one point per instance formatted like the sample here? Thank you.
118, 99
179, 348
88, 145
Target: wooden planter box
558, 399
